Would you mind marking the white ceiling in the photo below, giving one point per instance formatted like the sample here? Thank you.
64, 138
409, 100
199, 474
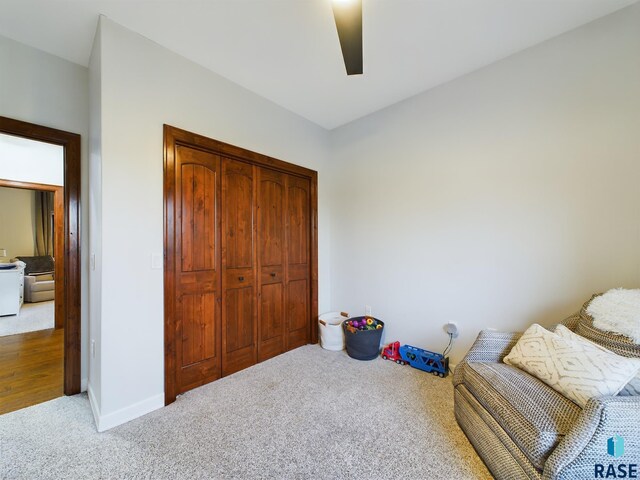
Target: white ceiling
288, 50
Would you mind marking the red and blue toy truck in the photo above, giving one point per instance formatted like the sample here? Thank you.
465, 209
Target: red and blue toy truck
418, 358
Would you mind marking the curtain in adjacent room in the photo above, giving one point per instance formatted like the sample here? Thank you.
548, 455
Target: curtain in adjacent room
44, 223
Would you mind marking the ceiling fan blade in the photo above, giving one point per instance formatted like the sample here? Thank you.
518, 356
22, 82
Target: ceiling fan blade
348, 17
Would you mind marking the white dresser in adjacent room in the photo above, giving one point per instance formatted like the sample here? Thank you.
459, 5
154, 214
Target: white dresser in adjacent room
11, 290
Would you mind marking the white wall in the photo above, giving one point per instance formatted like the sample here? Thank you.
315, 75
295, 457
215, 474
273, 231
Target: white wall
17, 220
26, 160
142, 87
44, 89
502, 198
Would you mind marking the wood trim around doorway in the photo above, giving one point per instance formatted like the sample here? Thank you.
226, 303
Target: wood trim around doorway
67, 293
173, 137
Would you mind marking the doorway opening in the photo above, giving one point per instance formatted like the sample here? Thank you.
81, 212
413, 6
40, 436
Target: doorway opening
40, 348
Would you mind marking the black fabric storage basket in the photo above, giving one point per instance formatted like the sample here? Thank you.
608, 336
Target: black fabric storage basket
362, 344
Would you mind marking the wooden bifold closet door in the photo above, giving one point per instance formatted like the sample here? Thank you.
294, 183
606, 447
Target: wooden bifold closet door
272, 263
298, 262
197, 264
239, 322
284, 262
240, 259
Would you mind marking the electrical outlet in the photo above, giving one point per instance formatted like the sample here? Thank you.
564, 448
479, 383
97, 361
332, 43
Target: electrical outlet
452, 329
367, 310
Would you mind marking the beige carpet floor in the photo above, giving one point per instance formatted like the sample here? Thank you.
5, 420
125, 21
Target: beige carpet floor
32, 317
307, 414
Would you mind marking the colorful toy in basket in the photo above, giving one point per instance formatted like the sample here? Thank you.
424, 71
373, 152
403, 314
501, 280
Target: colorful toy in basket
425, 360
363, 323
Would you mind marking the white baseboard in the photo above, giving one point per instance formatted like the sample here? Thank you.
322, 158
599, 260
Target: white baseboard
126, 414
84, 382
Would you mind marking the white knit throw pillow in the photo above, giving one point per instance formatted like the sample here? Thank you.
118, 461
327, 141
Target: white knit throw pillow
632, 388
575, 368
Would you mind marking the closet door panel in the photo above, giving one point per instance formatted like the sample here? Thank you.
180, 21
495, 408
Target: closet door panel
298, 222
271, 260
198, 333
298, 267
197, 268
271, 230
271, 320
239, 326
239, 351
198, 214
237, 221
298, 313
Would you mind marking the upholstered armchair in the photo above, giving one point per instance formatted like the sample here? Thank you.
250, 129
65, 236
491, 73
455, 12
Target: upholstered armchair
524, 429
39, 284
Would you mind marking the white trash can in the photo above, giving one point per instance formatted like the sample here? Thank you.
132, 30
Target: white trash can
331, 333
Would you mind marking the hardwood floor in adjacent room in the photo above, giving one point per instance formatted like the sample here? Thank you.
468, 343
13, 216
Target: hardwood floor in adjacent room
31, 368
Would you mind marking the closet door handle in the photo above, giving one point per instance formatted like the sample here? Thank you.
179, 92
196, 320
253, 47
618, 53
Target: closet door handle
241, 279
273, 274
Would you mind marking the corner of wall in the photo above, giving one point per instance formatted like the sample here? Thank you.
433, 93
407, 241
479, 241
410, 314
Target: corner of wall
95, 406
95, 225
124, 415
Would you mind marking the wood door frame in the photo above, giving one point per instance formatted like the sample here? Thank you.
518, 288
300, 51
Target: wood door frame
67, 292
174, 137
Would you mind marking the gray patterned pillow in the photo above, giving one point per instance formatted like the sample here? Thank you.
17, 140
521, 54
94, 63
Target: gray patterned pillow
577, 369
